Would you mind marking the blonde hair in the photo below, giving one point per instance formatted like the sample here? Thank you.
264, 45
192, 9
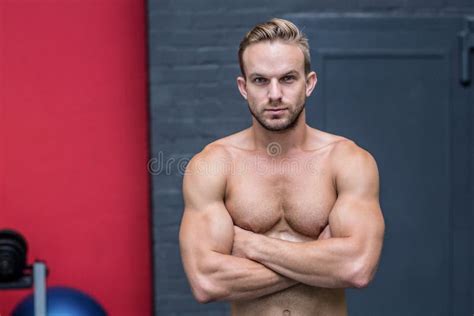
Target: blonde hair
276, 29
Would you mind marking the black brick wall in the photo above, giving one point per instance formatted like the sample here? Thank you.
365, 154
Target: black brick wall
194, 100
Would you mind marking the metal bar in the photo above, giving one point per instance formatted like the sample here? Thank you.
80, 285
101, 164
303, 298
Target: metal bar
39, 286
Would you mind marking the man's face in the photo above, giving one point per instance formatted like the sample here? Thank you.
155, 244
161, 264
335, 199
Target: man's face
275, 86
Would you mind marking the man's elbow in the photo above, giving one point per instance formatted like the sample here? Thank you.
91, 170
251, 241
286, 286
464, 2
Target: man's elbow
200, 294
360, 281
361, 276
202, 297
205, 291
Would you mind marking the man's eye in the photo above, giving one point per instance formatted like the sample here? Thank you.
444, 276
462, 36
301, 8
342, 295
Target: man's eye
259, 80
288, 78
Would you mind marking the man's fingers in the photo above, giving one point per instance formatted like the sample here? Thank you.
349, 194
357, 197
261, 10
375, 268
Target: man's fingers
326, 233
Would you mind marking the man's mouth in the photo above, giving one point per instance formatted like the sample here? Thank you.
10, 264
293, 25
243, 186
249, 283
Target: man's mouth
276, 111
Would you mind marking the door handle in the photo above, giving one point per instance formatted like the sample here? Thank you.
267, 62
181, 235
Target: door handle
466, 44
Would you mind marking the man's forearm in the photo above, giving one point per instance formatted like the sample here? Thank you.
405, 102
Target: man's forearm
324, 263
234, 278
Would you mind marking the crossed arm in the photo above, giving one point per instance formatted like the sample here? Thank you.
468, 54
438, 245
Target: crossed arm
224, 262
207, 235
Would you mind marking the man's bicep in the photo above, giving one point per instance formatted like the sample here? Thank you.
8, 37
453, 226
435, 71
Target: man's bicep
357, 212
206, 225
206, 236
354, 217
207, 229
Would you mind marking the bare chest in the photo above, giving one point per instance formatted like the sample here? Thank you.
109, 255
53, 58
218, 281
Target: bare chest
287, 199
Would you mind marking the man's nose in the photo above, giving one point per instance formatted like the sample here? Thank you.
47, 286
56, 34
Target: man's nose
274, 91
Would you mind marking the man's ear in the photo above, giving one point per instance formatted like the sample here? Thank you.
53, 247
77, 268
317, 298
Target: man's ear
242, 85
311, 80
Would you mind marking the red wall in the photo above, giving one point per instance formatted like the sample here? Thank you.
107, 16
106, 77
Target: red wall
73, 145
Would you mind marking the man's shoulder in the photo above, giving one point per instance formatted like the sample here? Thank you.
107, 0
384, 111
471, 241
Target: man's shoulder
235, 140
324, 140
341, 149
216, 156
222, 147
349, 149
211, 156
346, 153
205, 175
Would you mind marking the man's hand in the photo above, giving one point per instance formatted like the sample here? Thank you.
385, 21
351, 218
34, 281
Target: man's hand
245, 239
325, 233
242, 242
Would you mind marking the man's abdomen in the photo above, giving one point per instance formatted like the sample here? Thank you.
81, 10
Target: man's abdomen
299, 300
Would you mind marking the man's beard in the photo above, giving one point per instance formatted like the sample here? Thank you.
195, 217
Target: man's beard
291, 122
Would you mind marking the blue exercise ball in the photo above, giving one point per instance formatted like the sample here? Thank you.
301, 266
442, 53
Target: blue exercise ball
62, 301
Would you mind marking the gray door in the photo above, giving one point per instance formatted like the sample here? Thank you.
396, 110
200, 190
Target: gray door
392, 85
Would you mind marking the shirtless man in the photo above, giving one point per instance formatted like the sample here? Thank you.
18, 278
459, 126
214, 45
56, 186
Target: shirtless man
280, 217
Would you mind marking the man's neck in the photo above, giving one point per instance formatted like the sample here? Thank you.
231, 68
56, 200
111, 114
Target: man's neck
282, 141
